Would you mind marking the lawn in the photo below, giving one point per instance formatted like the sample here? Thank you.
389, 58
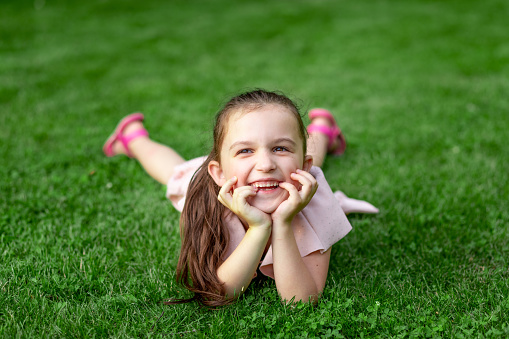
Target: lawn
89, 244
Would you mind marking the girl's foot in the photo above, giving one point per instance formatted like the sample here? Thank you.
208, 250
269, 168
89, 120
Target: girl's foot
350, 205
128, 129
322, 121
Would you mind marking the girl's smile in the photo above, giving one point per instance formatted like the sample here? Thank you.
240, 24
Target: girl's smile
262, 148
264, 186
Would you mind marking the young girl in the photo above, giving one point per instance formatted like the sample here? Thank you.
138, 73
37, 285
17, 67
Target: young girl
258, 197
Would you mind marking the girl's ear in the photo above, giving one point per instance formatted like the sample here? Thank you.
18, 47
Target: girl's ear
308, 163
216, 173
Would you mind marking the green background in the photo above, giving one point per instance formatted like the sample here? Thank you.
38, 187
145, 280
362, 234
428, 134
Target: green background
89, 244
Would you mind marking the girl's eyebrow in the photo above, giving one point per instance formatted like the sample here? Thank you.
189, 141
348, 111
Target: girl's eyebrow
288, 140
239, 143
277, 141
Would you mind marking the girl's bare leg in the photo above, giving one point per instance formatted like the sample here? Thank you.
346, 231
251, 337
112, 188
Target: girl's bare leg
318, 142
157, 160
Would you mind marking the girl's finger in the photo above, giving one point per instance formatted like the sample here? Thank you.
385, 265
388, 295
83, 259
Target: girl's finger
303, 180
305, 174
309, 188
308, 176
307, 181
243, 192
292, 190
225, 199
224, 196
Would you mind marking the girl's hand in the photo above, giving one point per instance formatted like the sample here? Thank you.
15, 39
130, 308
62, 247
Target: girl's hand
297, 199
236, 201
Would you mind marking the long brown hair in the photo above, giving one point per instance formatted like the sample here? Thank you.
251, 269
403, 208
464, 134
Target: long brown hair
204, 237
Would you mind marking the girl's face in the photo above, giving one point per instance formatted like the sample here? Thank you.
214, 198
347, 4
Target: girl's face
262, 148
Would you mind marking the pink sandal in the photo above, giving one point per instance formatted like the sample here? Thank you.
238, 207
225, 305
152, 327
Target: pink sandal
124, 139
333, 132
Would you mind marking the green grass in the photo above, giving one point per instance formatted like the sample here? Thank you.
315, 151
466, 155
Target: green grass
89, 245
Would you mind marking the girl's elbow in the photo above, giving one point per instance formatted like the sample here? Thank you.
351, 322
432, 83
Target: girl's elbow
234, 292
310, 298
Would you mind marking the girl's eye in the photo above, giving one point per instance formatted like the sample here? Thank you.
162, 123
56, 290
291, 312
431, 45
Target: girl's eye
245, 150
280, 149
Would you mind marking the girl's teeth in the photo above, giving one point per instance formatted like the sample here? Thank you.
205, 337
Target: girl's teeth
265, 185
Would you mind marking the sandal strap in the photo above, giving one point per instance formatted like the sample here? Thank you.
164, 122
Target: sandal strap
335, 132
331, 132
126, 139
322, 112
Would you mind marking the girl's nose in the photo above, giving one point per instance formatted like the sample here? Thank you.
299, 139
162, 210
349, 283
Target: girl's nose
265, 162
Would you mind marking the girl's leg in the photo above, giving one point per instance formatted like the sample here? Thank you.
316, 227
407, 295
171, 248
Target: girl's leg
318, 142
157, 160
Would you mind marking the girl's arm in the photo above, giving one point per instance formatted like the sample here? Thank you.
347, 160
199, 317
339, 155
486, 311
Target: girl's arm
301, 279
239, 268
296, 277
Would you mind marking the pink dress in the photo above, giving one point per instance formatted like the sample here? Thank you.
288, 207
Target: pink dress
317, 227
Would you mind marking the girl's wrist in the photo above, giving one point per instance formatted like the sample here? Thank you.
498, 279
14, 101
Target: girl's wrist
282, 224
262, 233
261, 227
286, 221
